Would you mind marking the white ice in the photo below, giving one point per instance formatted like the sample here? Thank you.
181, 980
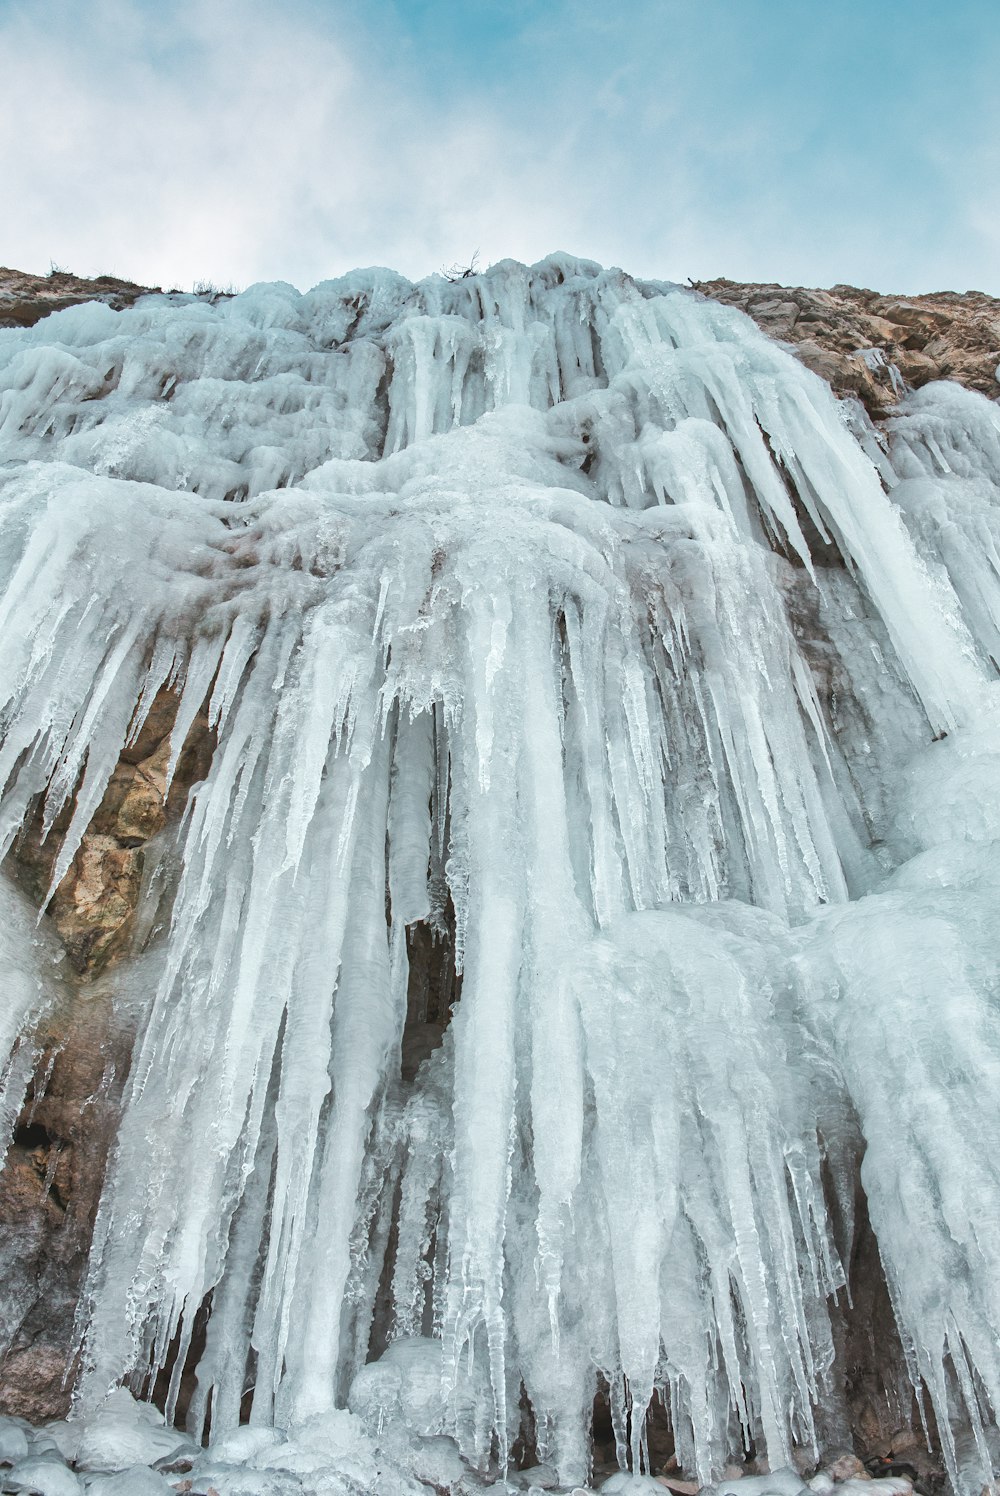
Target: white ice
567, 617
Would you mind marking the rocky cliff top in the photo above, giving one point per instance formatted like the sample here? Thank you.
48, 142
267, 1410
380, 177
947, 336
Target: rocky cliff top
864, 343
871, 345
26, 299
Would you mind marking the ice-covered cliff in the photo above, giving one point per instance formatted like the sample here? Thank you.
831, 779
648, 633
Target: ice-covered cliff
588, 910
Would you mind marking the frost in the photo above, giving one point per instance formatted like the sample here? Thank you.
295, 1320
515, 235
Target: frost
875, 359
558, 626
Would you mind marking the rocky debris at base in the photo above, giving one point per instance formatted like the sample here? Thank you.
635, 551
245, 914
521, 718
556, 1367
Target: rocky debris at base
283, 1467
126, 1449
872, 346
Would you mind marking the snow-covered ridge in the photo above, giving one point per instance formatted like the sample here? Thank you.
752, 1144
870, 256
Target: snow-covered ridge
492, 588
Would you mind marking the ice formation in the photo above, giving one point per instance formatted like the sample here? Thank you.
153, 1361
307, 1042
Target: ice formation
31, 963
562, 628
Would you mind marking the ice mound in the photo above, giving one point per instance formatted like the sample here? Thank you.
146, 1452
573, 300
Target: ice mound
556, 625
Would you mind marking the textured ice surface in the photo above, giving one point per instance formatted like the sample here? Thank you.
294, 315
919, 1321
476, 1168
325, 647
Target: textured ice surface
624, 1484
567, 620
13, 1442
43, 1475
31, 972
122, 1433
137, 1481
784, 1482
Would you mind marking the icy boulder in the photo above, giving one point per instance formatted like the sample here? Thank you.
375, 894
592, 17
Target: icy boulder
43, 1475
137, 1480
64, 1436
624, 1484
13, 1441
335, 1452
245, 1444
403, 1385
122, 1433
407, 1404
408, 1387
783, 1482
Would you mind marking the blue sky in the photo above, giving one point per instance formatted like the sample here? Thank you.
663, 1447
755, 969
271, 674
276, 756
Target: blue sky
803, 141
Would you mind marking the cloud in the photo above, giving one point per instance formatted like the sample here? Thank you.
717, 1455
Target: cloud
236, 140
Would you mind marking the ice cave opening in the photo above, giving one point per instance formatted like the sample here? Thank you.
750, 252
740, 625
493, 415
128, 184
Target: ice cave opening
568, 967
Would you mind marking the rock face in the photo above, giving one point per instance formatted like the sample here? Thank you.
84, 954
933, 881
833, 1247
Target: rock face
94, 905
866, 345
48, 1197
873, 346
51, 1182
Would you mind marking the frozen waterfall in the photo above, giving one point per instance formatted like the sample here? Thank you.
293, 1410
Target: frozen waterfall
572, 652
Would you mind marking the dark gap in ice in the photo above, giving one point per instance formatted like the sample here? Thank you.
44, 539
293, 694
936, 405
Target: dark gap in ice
434, 988
382, 1313
31, 1136
187, 1384
381, 411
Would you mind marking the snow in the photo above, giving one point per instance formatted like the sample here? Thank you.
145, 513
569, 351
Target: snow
565, 617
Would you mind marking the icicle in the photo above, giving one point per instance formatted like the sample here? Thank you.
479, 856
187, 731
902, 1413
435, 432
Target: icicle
500, 601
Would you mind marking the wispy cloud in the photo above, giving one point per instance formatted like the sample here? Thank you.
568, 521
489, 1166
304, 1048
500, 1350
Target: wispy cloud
235, 141
244, 139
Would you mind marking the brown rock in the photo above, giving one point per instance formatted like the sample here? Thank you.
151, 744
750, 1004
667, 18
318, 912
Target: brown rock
25, 299
52, 1178
49, 1192
942, 335
94, 904
847, 1467
93, 908
33, 1383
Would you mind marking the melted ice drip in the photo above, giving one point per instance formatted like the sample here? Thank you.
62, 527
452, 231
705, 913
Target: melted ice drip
496, 593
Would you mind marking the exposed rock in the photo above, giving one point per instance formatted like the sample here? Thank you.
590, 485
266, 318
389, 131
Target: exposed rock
94, 905
855, 339
52, 1178
48, 1197
26, 299
847, 1467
